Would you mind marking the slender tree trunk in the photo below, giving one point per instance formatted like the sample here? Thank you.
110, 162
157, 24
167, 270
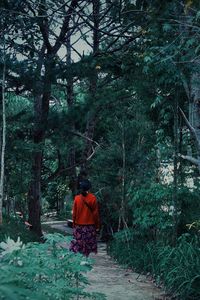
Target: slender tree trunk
122, 212
180, 146
89, 133
92, 118
70, 102
124, 176
3, 139
175, 190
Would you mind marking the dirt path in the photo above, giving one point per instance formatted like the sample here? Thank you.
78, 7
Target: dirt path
118, 283
114, 281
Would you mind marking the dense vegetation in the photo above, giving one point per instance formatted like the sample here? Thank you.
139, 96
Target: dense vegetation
42, 271
109, 89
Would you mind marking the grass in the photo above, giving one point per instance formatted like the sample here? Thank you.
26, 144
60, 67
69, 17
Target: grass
175, 267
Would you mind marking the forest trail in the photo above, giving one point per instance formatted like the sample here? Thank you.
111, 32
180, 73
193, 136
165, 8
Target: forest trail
116, 282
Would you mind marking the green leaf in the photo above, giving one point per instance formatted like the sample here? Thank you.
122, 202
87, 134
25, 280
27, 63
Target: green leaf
167, 27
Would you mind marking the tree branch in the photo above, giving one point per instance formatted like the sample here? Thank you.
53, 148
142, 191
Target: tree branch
190, 159
65, 26
190, 127
84, 137
44, 28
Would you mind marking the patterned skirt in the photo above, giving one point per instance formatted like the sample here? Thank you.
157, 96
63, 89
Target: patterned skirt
85, 240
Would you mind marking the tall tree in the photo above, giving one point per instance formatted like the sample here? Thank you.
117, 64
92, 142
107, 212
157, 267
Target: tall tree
92, 115
70, 103
41, 106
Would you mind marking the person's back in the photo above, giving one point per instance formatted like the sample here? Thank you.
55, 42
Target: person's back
85, 210
85, 221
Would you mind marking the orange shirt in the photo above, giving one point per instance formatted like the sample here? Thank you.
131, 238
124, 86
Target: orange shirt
82, 215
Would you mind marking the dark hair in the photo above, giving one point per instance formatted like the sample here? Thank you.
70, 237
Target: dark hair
85, 186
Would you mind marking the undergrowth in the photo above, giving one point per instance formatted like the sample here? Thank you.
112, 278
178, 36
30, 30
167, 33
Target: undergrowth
177, 268
14, 227
42, 271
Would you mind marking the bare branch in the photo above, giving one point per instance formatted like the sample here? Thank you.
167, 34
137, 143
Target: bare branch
191, 159
93, 27
61, 170
85, 39
79, 55
126, 43
65, 26
106, 12
190, 127
84, 137
93, 152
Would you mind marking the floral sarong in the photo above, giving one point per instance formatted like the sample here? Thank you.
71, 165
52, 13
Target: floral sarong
85, 240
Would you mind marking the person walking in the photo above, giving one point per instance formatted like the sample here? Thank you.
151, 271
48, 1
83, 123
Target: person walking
86, 222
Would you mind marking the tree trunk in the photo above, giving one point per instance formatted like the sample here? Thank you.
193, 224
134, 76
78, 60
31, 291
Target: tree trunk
193, 121
92, 118
122, 212
41, 105
181, 174
192, 89
34, 195
89, 133
41, 109
3, 140
175, 189
70, 102
194, 107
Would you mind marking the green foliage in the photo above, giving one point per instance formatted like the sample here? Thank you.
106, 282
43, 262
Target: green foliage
195, 224
14, 227
175, 267
10, 245
42, 271
151, 206
188, 200
19, 146
179, 267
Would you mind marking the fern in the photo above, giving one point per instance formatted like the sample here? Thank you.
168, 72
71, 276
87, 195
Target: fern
42, 271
